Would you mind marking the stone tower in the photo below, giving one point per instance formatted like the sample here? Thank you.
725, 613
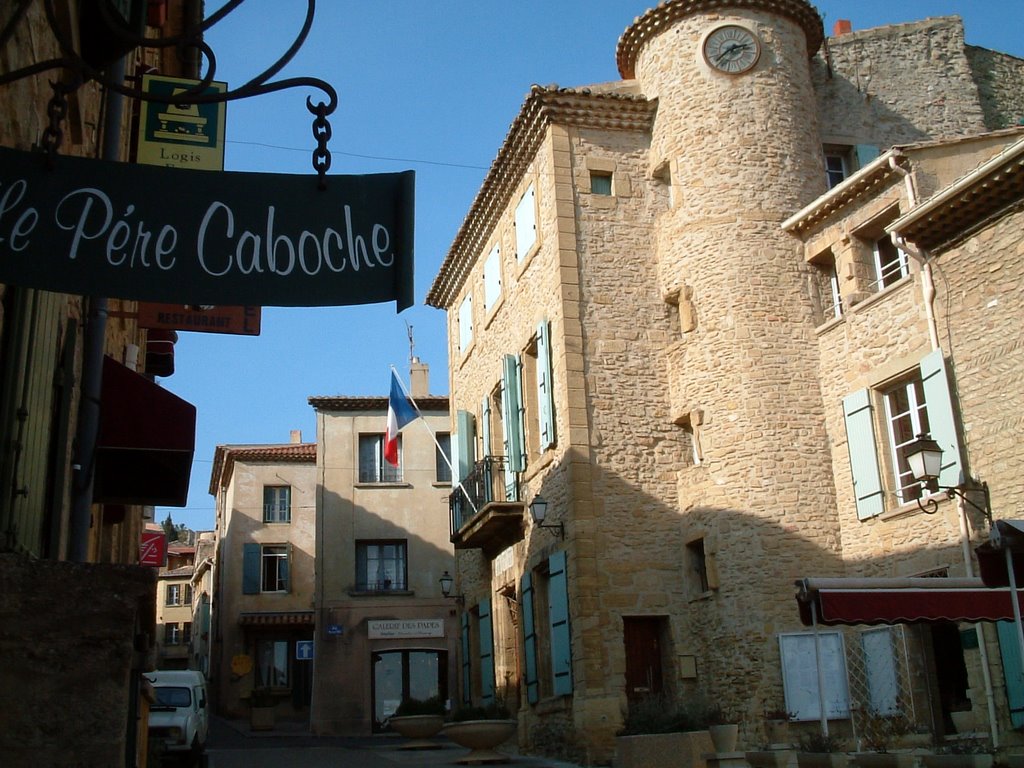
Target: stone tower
736, 137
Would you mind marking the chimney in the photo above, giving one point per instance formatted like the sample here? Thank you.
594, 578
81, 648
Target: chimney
296, 436
842, 27
419, 378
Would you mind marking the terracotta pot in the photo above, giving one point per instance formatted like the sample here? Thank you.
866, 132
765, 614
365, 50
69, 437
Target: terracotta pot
418, 729
481, 737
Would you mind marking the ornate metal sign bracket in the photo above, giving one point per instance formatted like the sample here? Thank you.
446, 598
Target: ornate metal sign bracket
121, 40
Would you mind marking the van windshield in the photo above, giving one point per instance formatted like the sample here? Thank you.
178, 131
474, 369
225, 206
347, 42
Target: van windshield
173, 697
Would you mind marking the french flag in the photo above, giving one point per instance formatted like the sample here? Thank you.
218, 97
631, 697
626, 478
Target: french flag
400, 412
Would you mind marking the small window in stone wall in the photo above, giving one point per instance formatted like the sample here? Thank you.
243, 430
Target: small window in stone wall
600, 183
697, 562
826, 286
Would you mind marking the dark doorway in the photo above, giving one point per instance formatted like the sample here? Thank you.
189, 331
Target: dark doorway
406, 674
950, 671
644, 666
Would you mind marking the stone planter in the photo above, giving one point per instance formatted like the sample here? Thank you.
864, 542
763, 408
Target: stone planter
480, 737
777, 732
663, 750
261, 718
417, 729
957, 761
963, 721
821, 759
771, 758
883, 760
724, 737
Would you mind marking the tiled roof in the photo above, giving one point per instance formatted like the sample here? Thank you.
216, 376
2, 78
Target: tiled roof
177, 573
606, 106
348, 403
225, 456
667, 13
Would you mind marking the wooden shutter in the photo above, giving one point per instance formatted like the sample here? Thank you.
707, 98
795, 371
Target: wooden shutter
558, 611
251, 569
860, 440
865, 154
465, 435
545, 397
467, 666
529, 640
941, 418
492, 278
511, 402
486, 653
485, 449
1013, 670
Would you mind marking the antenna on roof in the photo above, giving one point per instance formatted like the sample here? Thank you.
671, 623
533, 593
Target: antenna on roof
412, 344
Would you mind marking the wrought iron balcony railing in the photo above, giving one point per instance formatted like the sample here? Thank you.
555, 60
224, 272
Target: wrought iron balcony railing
489, 482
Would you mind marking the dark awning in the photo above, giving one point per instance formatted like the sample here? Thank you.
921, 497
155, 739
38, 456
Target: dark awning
1006, 535
146, 441
901, 601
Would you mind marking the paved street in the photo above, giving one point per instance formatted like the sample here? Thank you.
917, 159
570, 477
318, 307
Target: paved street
232, 745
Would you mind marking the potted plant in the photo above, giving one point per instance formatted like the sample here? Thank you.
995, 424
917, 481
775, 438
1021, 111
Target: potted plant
481, 730
819, 750
417, 720
662, 732
261, 709
723, 731
776, 727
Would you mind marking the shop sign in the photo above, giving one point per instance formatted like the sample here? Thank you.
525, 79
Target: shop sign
181, 135
241, 321
404, 628
148, 233
153, 549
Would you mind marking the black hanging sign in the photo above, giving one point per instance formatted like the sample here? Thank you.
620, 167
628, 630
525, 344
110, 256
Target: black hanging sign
149, 233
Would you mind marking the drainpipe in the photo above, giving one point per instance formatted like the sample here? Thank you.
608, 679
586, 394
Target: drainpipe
928, 293
92, 359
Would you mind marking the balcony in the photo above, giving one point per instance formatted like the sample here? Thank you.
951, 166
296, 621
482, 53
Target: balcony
491, 518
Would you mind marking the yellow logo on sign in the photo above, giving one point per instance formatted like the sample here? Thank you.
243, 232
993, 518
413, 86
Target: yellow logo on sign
181, 135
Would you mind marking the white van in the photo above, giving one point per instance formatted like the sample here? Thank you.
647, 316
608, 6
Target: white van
179, 718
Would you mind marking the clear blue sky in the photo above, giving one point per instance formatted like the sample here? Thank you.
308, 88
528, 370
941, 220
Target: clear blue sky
427, 86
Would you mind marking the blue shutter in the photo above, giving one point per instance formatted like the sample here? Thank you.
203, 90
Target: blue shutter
512, 413
485, 433
941, 420
466, 439
545, 397
486, 654
865, 154
1013, 671
561, 642
860, 440
529, 640
467, 668
250, 569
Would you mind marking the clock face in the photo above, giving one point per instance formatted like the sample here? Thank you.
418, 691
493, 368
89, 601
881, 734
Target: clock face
732, 49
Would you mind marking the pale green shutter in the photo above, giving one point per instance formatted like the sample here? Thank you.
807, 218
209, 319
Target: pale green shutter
545, 396
865, 154
1013, 670
465, 445
529, 640
250, 569
467, 668
561, 641
486, 653
485, 430
512, 413
860, 440
941, 419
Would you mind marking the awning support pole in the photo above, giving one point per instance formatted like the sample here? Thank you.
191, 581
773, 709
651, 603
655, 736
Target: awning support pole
821, 671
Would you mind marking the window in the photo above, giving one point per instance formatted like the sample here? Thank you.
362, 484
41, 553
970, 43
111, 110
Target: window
277, 504
526, 223
465, 323
600, 183
919, 401
492, 279
372, 466
890, 262
272, 663
443, 458
547, 666
381, 566
906, 417
274, 568
698, 565
172, 634
827, 283
800, 675
179, 594
835, 168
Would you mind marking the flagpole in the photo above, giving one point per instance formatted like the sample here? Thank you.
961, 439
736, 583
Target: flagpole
433, 436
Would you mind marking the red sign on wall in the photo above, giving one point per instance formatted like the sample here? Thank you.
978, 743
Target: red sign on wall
153, 548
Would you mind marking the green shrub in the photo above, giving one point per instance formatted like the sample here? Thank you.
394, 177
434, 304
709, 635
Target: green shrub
432, 706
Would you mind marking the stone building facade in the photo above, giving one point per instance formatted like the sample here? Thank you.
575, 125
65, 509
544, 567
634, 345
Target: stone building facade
265, 498
636, 338
174, 608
